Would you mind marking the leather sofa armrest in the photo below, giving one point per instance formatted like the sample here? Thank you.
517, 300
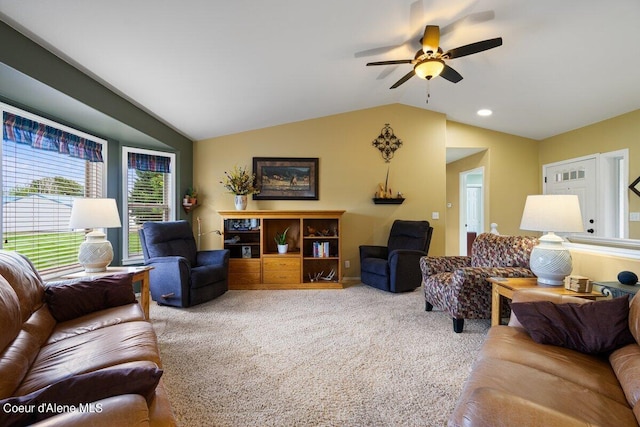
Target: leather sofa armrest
487, 407
123, 410
371, 251
160, 412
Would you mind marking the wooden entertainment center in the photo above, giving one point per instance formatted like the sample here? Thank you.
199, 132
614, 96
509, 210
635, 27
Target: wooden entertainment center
313, 260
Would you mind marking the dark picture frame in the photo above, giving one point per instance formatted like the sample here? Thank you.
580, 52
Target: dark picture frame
286, 178
633, 186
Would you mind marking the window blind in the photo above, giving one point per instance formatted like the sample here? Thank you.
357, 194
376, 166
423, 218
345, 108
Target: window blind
149, 193
43, 169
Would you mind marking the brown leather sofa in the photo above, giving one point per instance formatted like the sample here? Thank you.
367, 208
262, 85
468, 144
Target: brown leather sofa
76, 353
518, 382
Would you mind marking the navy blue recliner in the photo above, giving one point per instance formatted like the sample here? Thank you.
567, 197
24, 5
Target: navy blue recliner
396, 267
182, 276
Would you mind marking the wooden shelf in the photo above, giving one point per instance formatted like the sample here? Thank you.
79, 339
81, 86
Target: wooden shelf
390, 201
267, 269
290, 254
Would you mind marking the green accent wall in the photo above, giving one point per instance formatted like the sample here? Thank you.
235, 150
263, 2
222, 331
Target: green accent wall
29, 58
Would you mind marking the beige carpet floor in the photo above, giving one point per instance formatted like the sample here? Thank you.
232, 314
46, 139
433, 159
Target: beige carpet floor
352, 357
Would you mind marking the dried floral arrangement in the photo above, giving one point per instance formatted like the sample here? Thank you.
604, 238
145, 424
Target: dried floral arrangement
239, 181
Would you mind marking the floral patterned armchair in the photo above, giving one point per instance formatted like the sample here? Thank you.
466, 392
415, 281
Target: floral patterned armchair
458, 284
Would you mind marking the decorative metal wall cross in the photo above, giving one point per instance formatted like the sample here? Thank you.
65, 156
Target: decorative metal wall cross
387, 143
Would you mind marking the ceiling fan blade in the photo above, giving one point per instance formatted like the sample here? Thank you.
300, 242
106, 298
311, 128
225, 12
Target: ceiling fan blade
386, 71
431, 39
416, 20
416, 14
472, 48
376, 51
472, 18
398, 61
403, 79
450, 74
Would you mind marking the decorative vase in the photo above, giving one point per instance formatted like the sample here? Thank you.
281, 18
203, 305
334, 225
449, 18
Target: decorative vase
241, 202
96, 252
283, 249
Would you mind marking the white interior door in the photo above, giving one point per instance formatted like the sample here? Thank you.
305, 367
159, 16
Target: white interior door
471, 205
474, 209
579, 177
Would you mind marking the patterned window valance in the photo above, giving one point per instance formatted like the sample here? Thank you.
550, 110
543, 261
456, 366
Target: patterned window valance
149, 163
43, 137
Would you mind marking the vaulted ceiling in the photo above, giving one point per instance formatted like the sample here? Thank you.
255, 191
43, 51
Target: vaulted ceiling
210, 68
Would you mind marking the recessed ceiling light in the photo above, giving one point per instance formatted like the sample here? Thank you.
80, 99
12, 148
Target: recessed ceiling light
485, 112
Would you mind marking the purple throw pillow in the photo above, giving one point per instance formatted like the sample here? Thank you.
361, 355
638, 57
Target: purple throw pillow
593, 328
71, 299
79, 392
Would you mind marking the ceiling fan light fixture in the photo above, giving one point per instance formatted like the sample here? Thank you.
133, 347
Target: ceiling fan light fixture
429, 68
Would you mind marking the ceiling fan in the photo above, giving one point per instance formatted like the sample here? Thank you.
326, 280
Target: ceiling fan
429, 61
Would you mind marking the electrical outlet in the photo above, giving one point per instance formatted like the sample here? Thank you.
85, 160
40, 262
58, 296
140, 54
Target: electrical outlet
634, 216
347, 264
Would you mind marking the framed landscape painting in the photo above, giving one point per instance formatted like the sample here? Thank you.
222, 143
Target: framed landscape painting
286, 178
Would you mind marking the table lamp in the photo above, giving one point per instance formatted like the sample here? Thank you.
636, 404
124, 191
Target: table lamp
551, 213
96, 252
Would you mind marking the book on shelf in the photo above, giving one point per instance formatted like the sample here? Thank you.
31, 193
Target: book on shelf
321, 249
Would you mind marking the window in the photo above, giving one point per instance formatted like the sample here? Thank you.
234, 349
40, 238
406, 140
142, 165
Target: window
45, 165
149, 194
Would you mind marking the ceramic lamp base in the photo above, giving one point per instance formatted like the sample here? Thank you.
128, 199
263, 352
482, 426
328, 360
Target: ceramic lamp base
96, 252
551, 261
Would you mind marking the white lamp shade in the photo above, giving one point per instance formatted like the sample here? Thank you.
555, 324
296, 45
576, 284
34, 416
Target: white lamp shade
552, 212
94, 213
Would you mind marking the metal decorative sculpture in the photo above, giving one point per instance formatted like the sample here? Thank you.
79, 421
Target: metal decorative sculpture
387, 143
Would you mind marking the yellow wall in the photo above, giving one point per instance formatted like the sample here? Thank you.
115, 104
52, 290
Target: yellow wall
608, 135
601, 267
511, 172
350, 169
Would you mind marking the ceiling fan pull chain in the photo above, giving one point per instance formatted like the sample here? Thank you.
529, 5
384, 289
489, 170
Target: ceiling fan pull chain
428, 91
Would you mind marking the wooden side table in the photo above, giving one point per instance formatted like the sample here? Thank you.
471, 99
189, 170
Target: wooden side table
507, 286
140, 274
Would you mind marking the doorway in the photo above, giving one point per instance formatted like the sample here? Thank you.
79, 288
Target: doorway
471, 205
600, 181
